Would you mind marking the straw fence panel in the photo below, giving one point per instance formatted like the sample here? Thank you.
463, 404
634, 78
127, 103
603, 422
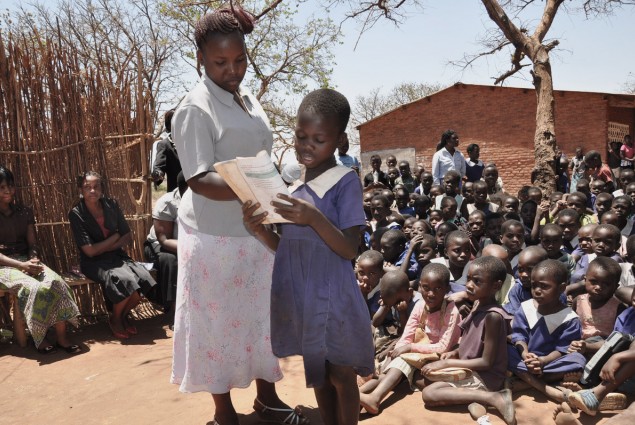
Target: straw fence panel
58, 119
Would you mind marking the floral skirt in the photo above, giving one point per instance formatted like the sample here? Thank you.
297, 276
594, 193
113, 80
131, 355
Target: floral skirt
221, 326
44, 300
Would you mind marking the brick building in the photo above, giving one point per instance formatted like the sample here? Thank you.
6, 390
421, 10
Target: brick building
501, 120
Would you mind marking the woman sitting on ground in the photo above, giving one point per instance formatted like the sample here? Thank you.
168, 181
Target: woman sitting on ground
43, 296
101, 232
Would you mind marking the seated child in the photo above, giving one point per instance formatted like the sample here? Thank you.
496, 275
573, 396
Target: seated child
451, 182
431, 328
424, 249
482, 348
585, 241
616, 371
542, 329
551, 240
493, 224
521, 291
603, 203
442, 231
569, 222
606, 241
397, 301
577, 201
402, 198
623, 206
529, 214
510, 204
513, 239
448, 212
435, 218
598, 308
619, 221
369, 270
407, 226
585, 187
476, 226
481, 200
421, 227
457, 250
393, 248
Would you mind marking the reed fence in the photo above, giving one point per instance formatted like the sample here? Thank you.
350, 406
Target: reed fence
59, 118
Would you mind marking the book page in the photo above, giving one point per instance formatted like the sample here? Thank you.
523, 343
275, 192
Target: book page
255, 179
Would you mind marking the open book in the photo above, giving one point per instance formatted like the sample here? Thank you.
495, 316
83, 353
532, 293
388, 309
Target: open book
255, 179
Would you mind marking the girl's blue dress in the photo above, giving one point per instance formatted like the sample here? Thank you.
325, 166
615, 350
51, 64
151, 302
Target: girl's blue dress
317, 309
544, 334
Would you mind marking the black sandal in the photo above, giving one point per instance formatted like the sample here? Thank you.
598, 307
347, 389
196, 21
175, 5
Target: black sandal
71, 349
49, 349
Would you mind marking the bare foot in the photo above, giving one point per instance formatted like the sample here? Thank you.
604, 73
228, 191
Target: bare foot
573, 386
476, 410
505, 405
369, 403
572, 377
564, 416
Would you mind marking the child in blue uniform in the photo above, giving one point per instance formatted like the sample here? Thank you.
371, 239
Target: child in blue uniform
317, 308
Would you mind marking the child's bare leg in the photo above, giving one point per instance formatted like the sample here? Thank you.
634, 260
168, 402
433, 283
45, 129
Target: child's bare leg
369, 386
344, 381
626, 371
387, 382
443, 394
540, 383
327, 401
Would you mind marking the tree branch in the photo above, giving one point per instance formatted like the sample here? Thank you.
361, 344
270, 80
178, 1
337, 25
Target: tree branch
548, 15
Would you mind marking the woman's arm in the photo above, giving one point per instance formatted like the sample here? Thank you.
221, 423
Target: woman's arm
164, 231
31, 241
212, 186
108, 244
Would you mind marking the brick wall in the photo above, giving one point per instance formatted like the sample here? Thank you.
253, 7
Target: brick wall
500, 119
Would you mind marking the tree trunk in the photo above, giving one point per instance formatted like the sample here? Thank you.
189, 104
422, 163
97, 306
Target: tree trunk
545, 136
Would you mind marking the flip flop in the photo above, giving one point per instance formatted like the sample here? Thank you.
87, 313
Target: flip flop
49, 349
269, 414
71, 349
585, 401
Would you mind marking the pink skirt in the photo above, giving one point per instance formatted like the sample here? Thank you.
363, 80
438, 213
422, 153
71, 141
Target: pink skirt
222, 324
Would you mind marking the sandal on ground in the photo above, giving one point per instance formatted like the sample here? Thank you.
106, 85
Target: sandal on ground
71, 349
118, 334
274, 414
49, 349
585, 401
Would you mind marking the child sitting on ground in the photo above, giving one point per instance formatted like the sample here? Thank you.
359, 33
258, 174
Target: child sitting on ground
606, 241
577, 201
603, 204
448, 212
598, 308
431, 328
616, 371
513, 239
493, 224
482, 348
542, 330
510, 204
619, 221
457, 250
521, 290
393, 248
421, 227
585, 241
476, 226
443, 230
569, 222
407, 227
369, 270
551, 240
424, 249
397, 302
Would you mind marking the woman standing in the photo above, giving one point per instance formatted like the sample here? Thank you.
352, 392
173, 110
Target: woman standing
222, 330
43, 296
101, 232
447, 157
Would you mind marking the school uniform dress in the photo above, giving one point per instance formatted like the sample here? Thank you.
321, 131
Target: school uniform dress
625, 322
44, 299
118, 274
221, 326
474, 170
317, 309
543, 335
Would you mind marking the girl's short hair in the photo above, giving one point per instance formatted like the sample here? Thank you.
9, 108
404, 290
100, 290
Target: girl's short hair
610, 266
555, 269
327, 102
493, 267
223, 21
6, 176
471, 147
439, 270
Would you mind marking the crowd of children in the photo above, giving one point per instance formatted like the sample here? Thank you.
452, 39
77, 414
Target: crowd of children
475, 294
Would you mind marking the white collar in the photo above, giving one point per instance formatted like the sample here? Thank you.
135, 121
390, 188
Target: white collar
552, 320
373, 291
472, 163
322, 183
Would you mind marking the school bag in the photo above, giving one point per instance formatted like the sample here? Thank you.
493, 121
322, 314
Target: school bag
615, 343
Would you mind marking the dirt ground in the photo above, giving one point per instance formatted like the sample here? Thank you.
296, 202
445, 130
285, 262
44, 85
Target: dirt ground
115, 382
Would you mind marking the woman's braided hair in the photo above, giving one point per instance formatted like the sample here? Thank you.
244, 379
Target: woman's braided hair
224, 21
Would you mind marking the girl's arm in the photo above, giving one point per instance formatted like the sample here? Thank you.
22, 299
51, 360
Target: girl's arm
494, 322
380, 315
254, 223
545, 360
212, 186
405, 266
342, 242
541, 211
164, 231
